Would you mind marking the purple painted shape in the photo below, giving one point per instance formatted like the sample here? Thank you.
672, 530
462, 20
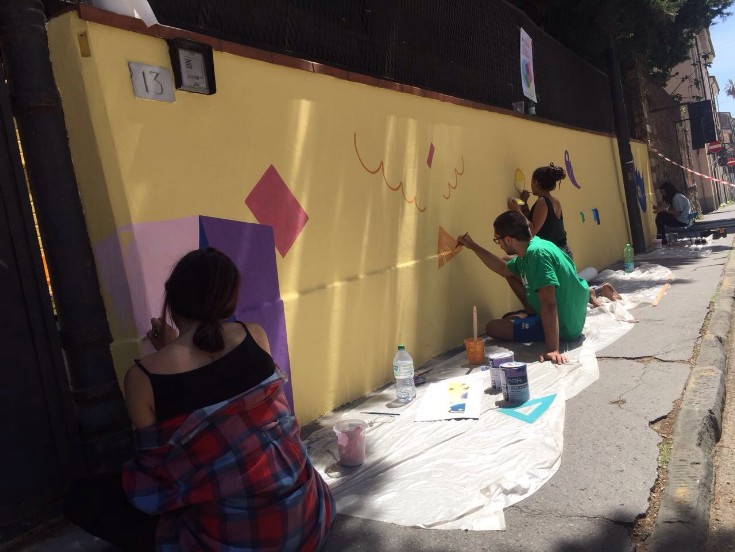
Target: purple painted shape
570, 170
111, 270
273, 204
251, 248
134, 263
430, 159
150, 255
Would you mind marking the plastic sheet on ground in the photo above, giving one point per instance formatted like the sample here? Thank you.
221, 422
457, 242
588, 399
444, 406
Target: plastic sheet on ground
461, 474
682, 249
644, 286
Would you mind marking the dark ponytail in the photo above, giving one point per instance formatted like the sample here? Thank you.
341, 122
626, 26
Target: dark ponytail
208, 336
203, 287
548, 176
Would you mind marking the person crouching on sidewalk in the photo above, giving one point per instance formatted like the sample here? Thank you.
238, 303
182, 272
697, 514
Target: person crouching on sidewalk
544, 279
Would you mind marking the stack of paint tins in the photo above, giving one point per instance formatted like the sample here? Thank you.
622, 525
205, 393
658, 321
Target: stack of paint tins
494, 360
508, 376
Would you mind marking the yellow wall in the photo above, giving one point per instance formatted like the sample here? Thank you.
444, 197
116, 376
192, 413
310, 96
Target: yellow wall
362, 276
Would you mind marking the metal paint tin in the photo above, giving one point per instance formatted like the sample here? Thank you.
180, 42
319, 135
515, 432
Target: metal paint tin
514, 382
494, 360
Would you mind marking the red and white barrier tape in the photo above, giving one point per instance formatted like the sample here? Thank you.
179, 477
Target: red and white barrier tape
662, 156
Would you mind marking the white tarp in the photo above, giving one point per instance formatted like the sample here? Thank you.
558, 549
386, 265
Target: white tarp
461, 474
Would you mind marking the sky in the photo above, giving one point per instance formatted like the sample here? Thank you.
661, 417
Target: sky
723, 66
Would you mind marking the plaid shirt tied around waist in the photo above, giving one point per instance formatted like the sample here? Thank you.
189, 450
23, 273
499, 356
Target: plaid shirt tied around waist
233, 476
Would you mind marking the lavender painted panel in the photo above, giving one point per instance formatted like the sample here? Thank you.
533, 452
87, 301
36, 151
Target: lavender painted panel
252, 248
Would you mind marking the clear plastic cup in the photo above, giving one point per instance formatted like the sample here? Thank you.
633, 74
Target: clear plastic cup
351, 441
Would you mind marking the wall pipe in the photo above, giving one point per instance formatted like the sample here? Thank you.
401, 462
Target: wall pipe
626, 154
84, 330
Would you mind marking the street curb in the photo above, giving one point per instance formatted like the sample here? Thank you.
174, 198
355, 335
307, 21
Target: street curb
683, 517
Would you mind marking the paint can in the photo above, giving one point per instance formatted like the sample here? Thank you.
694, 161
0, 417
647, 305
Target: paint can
493, 361
514, 382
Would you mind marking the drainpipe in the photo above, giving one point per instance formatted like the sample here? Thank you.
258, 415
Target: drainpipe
84, 331
626, 154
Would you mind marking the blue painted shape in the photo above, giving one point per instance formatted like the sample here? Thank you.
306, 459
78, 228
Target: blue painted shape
596, 215
543, 405
640, 189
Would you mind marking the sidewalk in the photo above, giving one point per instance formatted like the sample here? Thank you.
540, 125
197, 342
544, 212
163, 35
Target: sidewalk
611, 452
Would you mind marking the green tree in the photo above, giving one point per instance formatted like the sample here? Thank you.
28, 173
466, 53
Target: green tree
658, 32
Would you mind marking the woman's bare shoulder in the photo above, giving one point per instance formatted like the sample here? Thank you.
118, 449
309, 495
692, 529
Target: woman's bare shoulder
259, 335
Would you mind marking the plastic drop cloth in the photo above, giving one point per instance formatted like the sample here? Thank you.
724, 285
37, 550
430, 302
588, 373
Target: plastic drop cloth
461, 474
643, 286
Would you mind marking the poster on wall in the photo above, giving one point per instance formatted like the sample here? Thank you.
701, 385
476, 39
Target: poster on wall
527, 80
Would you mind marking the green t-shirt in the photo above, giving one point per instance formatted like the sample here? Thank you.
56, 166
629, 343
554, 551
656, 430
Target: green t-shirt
544, 264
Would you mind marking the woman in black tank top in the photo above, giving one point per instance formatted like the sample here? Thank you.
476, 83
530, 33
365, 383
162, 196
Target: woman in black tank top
208, 363
542, 217
242, 368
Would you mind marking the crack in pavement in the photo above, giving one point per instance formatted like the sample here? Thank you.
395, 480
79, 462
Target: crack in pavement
647, 358
531, 512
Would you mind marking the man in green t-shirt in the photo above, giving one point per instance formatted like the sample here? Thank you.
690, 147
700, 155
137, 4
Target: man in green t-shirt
545, 280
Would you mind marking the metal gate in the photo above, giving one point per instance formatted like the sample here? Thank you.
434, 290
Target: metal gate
38, 441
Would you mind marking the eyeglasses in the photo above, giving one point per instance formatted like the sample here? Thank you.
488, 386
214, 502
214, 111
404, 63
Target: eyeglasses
498, 240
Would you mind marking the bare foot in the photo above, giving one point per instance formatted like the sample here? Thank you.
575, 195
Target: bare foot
609, 292
594, 301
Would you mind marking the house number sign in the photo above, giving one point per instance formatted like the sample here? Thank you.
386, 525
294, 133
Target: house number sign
151, 82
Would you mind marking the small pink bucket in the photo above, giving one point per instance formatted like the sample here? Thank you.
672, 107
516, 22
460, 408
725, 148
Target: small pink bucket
351, 441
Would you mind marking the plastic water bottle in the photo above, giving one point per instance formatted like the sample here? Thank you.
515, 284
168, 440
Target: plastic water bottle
628, 265
403, 372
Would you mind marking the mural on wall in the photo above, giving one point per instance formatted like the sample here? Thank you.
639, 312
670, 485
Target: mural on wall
446, 247
136, 261
640, 189
395, 188
570, 170
273, 204
596, 215
519, 180
457, 174
401, 186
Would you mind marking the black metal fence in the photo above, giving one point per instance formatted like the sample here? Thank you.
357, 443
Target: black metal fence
464, 48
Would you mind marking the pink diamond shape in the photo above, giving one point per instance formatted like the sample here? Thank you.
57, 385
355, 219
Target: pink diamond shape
430, 159
273, 204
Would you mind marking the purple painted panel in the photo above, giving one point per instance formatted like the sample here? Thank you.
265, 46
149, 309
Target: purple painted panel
133, 265
251, 247
149, 256
111, 270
